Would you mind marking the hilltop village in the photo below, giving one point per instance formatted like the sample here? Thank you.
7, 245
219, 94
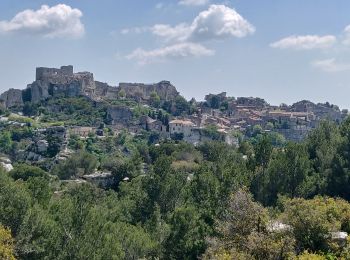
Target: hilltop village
168, 113
61, 107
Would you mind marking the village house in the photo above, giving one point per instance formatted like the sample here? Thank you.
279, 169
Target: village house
151, 124
183, 127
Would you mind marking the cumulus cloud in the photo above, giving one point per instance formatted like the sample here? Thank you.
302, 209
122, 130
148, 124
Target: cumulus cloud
187, 39
218, 22
57, 21
175, 51
178, 33
331, 65
194, 2
306, 42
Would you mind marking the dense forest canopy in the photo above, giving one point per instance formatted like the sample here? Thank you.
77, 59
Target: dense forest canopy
211, 201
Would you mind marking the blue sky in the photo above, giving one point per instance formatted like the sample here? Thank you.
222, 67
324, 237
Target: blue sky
283, 51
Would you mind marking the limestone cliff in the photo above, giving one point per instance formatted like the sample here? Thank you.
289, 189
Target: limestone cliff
119, 115
138, 91
51, 82
63, 82
11, 98
164, 89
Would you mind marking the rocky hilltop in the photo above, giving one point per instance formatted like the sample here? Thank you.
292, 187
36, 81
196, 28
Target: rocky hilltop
63, 82
160, 108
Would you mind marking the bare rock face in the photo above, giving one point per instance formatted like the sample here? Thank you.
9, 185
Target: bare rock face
104, 91
250, 101
51, 82
321, 110
165, 90
119, 115
61, 82
11, 98
138, 91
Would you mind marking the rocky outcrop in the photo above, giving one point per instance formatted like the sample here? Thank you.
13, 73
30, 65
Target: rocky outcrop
63, 82
164, 89
52, 82
6, 164
11, 98
321, 110
119, 115
252, 102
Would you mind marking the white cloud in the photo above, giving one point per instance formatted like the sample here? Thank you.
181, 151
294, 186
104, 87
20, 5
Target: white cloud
218, 22
57, 21
176, 51
184, 40
346, 40
331, 65
135, 30
178, 33
194, 2
305, 42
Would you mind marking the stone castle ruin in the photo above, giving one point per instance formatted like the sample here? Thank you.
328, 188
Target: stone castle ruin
63, 82
46, 73
59, 82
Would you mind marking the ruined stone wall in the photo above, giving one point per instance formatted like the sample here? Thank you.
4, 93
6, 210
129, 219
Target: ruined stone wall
52, 82
45, 73
61, 82
164, 89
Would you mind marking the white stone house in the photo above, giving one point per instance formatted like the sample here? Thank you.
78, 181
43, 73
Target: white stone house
178, 126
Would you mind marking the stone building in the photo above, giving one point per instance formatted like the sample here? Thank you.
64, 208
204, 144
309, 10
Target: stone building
178, 126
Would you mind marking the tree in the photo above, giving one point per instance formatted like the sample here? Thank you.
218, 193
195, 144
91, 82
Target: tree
215, 102
289, 173
122, 94
14, 201
262, 154
5, 142
212, 132
242, 231
39, 237
81, 163
263, 149
25, 171
54, 145
120, 168
187, 234
6, 244
322, 144
154, 99
30, 109
39, 188
313, 220
181, 105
